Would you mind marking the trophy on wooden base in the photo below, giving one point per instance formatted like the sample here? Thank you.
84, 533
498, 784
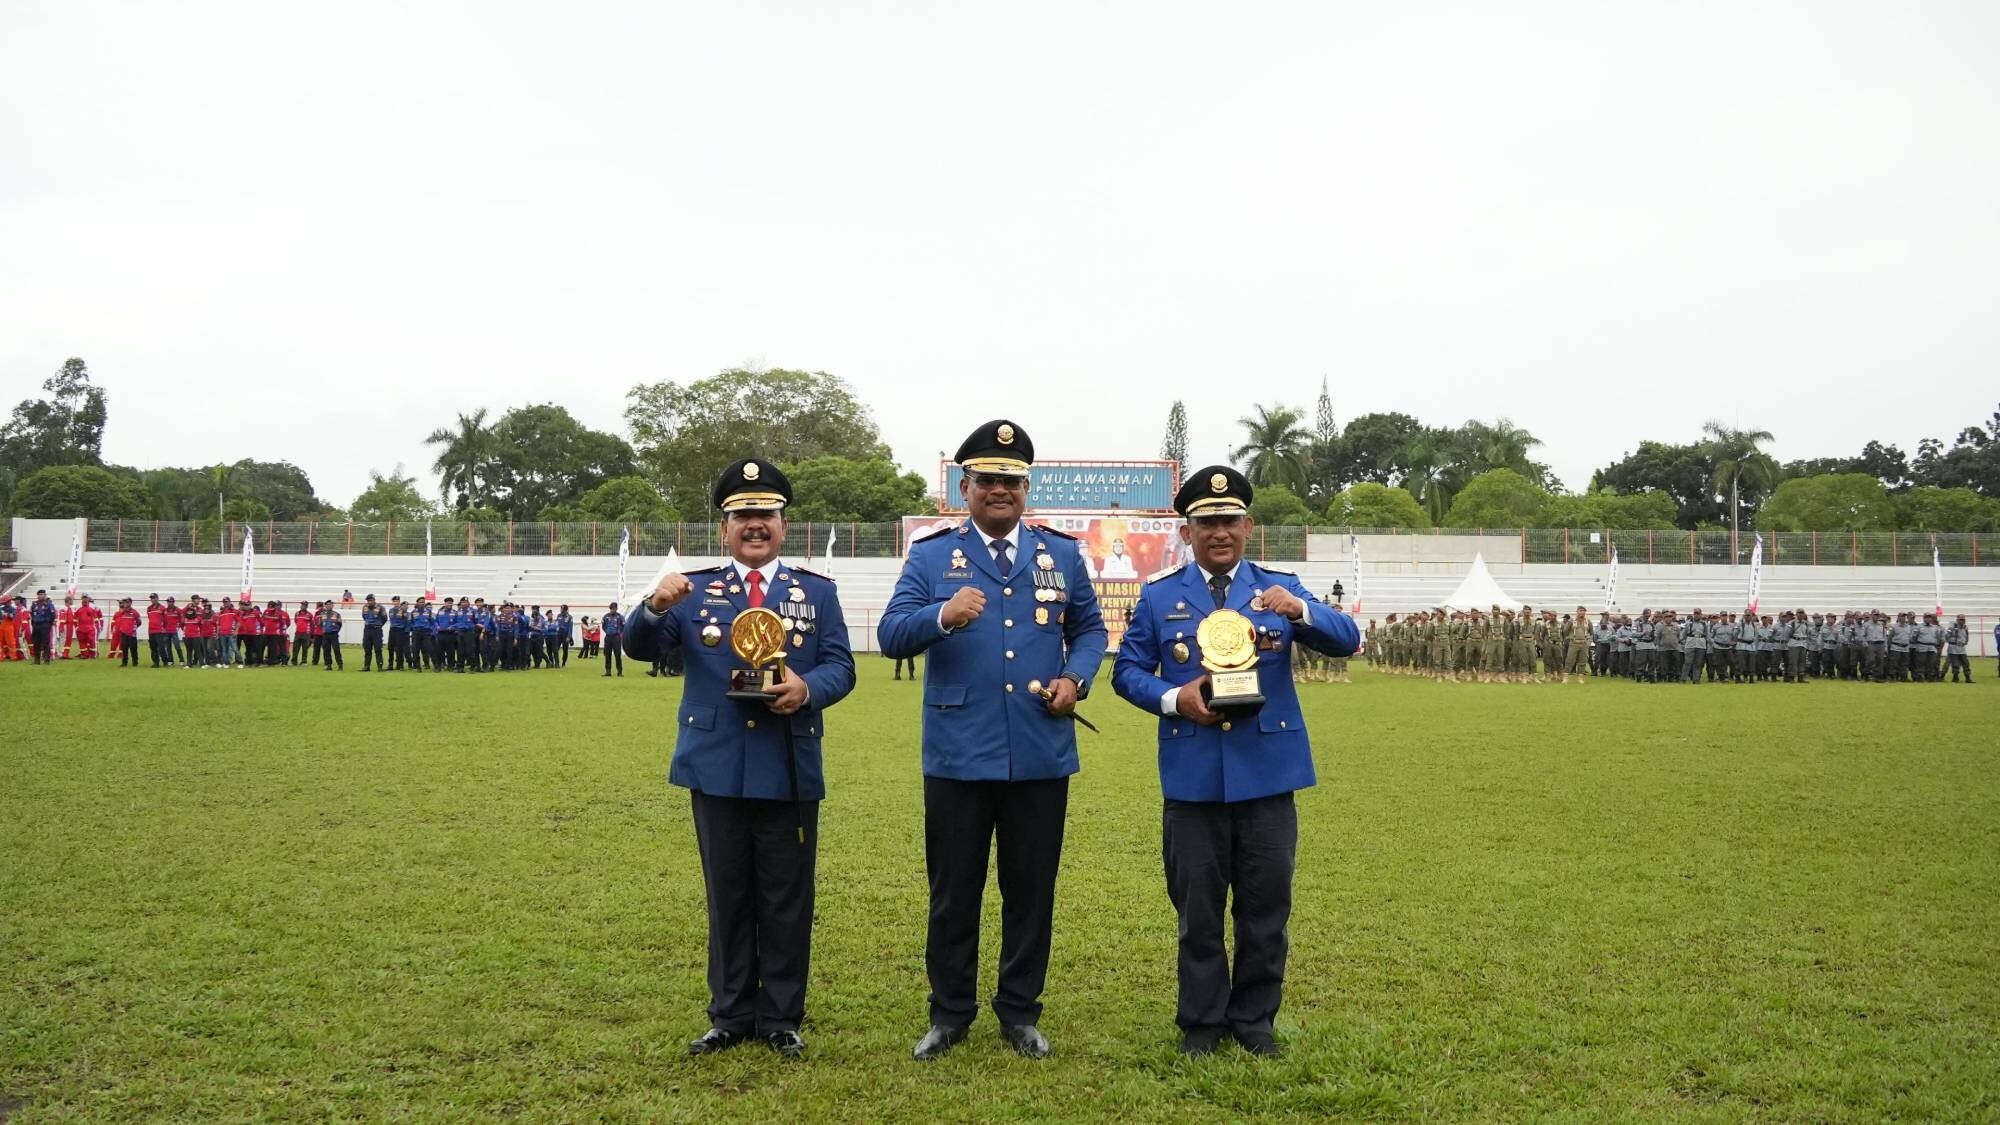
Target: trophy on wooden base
758, 637
1229, 652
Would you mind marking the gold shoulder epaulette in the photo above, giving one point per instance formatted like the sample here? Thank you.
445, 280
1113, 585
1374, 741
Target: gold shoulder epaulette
1167, 573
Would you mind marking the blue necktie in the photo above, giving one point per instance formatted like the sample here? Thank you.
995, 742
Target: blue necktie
1000, 559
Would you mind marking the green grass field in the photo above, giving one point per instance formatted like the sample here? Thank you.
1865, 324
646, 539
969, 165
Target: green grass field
285, 893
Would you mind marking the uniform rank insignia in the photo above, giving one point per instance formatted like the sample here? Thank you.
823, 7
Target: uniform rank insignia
1045, 561
1041, 615
1180, 652
798, 594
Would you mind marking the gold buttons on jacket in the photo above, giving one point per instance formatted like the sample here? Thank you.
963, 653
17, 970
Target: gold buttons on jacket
1007, 590
1225, 724
1009, 623
751, 723
1010, 687
1010, 654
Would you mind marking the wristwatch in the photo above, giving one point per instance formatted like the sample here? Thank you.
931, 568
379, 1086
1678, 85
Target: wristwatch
1072, 677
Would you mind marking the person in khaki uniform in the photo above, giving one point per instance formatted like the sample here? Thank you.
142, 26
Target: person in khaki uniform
1492, 648
1580, 642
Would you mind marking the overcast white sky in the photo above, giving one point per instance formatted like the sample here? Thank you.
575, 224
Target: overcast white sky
314, 232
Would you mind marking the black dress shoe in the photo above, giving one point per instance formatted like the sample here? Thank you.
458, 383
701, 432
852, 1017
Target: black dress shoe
1260, 1043
937, 1041
788, 1044
1026, 1039
1198, 1041
715, 1039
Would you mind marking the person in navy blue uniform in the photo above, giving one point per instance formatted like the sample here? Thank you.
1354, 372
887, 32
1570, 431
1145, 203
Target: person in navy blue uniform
41, 627
373, 618
1229, 825
755, 790
614, 639
399, 633
1009, 618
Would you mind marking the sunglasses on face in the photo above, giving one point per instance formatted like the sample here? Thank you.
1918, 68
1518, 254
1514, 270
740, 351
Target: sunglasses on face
999, 480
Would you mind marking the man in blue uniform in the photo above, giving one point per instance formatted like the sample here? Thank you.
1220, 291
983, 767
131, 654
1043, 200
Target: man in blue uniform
614, 639
41, 627
1009, 618
373, 619
399, 633
1230, 826
753, 766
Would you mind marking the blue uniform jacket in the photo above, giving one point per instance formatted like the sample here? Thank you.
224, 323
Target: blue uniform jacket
980, 721
1260, 755
727, 748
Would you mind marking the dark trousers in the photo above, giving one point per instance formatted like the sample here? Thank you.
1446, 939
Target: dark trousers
468, 650
330, 651
38, 644
156, 645
912, 662
1245, 851
614, 651
1795, 664
128, 652
961, 819
301, 647
399, 648
371, 648
760, 909
1956, 661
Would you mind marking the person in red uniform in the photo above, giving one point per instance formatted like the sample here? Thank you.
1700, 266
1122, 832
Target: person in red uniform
89, 620
275, 620
302, 626
156, 631
249, 632
66, 625
175, 619
125, 634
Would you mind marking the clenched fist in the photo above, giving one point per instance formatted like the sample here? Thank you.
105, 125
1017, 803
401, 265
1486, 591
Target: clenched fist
669, 592
964, 606
1283, 602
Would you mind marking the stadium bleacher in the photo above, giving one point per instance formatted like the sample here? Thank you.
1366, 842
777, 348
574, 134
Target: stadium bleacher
587, 583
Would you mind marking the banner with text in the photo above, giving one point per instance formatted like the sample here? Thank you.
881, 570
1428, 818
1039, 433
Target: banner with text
1133, 486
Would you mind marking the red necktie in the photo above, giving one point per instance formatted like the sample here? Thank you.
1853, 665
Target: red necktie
756, 580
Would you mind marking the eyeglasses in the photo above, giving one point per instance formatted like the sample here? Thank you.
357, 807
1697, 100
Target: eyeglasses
999, 480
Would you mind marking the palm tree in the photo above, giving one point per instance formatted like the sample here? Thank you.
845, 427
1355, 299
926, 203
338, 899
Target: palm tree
222, 477
1738, 462
1274, 444
1501, 444
465, 464
1429, 473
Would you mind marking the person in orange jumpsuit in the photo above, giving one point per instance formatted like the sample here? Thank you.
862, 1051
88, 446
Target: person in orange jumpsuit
89, 622
66, 625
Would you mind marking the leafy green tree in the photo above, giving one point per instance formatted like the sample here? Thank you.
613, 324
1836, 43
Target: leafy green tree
1431, 473
1500, 498
842, 489
66, 428
625, 500
390, 497
543, 456
1842, 502
1323, 456
467, 463
1738, 467
70, 491
1275, 505
1601, 510
1929, 508
1173, 445
1372, 448
1376, 505
1972, 462
1273, 449
243, 510
686, 435
481, 514
1479, 447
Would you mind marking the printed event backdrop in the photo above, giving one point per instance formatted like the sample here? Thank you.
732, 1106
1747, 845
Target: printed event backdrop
1120, 551
1124, 486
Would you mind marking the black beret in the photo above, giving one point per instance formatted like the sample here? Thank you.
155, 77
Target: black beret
1217, 490
998, 446
752, 484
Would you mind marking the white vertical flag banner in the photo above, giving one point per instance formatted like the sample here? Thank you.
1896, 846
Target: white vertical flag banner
832, 533
1937, 583
430, 579
1756, 573
1354, 582
624, 552
75, 563
1611, 583
249, 560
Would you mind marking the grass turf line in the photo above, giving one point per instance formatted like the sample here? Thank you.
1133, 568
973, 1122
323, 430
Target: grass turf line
271, 893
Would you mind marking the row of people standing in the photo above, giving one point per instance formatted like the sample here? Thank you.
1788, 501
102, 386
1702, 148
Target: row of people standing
1471, 645
463, 636
1661, 646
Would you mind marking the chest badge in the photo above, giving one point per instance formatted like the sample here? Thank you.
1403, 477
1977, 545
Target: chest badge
711, 634
1180, 652
1045, 561
1041, 615
798, 594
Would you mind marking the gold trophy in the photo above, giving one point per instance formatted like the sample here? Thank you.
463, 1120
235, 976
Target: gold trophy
758, 636
1229, 652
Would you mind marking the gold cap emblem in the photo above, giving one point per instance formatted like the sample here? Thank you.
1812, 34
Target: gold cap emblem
1006, 434
750, 471
1219, 483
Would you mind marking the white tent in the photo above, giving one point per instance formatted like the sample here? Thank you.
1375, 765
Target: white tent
1479, 591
